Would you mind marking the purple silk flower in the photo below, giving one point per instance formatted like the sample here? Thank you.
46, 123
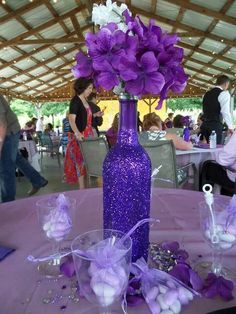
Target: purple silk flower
218, 286
144, 59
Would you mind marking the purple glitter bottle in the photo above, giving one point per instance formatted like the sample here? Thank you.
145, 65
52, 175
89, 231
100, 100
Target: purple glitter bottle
186, 134
127, 180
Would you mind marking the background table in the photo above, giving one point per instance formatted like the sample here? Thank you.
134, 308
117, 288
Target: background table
196, 156
20, 291
31, 148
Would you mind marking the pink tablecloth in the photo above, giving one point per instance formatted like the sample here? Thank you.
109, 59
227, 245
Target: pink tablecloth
20, 288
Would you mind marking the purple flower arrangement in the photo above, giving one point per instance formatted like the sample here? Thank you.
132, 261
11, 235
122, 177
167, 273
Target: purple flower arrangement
135, 58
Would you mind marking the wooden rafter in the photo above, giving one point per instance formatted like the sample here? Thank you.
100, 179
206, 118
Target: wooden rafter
206, 52
153, 6
179, 18
181, 26
203, 10
34, 51
42, 27
223, 10
22, 10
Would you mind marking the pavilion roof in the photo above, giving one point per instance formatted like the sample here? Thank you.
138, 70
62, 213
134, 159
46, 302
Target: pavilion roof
40, 38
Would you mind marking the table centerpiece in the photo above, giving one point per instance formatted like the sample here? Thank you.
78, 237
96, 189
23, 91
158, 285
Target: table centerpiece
133, 60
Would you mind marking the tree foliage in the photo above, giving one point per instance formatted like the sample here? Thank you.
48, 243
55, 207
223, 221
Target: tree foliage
22, 107
54, 108
184, 103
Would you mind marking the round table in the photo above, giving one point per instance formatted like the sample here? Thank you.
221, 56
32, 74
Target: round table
22, 290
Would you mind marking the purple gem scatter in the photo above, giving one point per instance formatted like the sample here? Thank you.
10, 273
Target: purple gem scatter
127, 182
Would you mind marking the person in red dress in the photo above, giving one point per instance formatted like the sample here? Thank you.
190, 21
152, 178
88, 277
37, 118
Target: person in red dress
80, 119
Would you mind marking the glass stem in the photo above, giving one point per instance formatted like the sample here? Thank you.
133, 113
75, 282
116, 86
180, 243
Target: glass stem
56, 252
216, 262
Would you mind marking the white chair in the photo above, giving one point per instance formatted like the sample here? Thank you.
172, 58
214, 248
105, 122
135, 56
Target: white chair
94, 152
162, 153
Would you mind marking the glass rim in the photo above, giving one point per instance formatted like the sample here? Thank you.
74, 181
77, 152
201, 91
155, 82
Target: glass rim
96, 230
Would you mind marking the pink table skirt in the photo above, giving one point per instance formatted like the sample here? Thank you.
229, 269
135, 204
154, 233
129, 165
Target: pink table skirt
22, 290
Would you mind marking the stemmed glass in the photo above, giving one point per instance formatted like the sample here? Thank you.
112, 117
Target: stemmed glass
102, 262
55, 220
219, 231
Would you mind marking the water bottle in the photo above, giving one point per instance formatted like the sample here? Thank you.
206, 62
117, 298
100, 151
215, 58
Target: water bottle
212, 139
24, 136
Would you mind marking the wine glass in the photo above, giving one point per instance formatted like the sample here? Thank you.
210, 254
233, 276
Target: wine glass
55, 220
102, 262
219, 231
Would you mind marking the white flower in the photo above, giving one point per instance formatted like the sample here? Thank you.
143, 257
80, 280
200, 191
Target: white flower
111, 12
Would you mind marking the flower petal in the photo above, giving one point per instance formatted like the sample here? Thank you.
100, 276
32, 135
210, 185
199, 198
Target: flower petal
154, 83
149, 62
107, 80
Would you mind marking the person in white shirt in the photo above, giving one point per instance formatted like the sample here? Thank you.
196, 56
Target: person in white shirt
39, 125
216, 108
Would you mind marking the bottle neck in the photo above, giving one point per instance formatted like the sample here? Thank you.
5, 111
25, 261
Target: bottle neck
128, 121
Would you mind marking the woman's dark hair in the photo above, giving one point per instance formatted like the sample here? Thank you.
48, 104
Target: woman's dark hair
34, 120
91, 96
81, 84
178, 121
50, 126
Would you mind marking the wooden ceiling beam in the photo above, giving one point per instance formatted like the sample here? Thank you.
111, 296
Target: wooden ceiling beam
44, 26
77, 28
179, 18
41, 64
34, 51
223, 10
198, 85
22, 10
55, 15
181, 26
28, 27
153, 6
205, 52
203, 10
208, 65
61, 23
48, 41
198, 71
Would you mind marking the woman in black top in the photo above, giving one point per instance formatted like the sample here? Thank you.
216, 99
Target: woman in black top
80, 118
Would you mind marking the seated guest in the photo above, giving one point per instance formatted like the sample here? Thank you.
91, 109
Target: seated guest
152, 124
111, 133
97, 118
223, 170
169, 120
65, 130
49, 130
178, 121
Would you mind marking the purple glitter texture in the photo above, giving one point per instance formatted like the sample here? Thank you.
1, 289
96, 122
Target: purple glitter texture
127, 181
186, 134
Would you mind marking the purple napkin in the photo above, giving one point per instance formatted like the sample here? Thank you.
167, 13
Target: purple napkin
4, 251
